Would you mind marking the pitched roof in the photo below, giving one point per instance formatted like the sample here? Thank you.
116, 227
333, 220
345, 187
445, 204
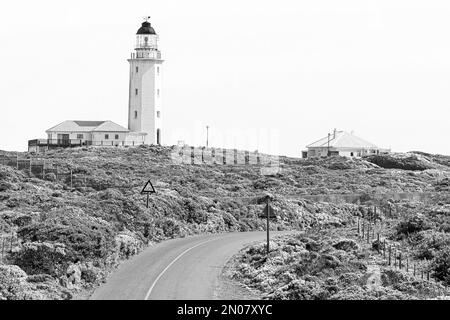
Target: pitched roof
342, 140
87, 126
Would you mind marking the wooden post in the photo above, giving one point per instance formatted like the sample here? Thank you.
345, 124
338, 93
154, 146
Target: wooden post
378, 242
428, 275
363, 230
3, 247
395, 258
148, 196
407, 264
400, 261
368, 232
268, 214
30, 166
384, 248
17, 161
224, 156
389, 259
11, 241
71, 179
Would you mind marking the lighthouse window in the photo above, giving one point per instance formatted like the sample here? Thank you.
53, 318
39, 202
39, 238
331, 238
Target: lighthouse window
157, 92
137, 69
135, 114
158, 114
136, 91
157, 70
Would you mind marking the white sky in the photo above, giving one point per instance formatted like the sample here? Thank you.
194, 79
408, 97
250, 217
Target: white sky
287, 69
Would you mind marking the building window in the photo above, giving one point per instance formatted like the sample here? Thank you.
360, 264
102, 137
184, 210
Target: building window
158, 114
137, 69
116, 137
136, 91
79, 136
135, 114
106, 136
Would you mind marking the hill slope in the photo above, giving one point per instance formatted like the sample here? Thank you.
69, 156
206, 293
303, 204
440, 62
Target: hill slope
64, 233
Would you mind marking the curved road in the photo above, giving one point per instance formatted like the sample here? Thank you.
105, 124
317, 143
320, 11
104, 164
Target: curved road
186, 268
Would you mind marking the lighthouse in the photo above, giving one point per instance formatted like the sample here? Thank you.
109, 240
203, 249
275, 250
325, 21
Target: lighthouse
145, 94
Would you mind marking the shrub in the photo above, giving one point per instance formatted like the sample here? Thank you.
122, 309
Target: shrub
413, 224
84, 237
441, 266
42, 257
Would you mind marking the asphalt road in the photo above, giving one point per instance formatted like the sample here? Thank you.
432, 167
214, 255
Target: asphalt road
186, 268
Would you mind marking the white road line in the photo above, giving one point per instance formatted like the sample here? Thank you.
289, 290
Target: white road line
173, 261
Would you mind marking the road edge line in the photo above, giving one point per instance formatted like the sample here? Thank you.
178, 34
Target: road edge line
171, 263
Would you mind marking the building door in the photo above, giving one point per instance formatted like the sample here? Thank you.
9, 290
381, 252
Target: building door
63, 139
158, 136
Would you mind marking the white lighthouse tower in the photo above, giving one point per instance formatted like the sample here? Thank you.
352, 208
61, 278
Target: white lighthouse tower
144, 104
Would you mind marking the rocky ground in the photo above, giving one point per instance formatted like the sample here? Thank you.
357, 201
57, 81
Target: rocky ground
61, 236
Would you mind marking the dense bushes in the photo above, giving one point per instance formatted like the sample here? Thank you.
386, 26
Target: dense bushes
441, 265
412, 224
42, 257
84, 237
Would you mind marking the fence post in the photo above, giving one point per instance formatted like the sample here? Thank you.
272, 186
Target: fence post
389, 259
384, 248
358, 227
30, 165
71, 179
368, 232
224, 153
3, 247
11, 241
414, 269
378, 242
363, 230
400, 261
43, 170
395, 258
17, 161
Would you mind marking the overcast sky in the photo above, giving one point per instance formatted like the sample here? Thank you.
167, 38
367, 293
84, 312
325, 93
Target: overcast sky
290, 70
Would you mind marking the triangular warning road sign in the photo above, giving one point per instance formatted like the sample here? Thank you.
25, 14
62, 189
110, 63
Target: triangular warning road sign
148, 188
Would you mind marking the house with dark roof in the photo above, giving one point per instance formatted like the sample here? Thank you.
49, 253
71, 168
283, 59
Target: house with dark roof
341, 143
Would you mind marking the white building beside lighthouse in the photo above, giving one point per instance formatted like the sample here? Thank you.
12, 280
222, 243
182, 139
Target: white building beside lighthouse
145, 94
144, 106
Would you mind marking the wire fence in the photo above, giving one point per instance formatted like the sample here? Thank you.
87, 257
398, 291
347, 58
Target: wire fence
370, 229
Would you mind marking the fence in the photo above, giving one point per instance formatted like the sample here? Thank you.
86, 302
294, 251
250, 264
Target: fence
220, 156
7, 243
370, 228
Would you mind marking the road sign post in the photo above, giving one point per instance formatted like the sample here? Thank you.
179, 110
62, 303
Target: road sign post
148, 189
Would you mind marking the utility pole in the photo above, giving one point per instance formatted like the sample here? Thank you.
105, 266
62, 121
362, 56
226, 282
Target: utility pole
207, 136
328, 146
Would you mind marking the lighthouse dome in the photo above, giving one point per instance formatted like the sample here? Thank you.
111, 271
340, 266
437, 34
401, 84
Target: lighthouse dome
146, 28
